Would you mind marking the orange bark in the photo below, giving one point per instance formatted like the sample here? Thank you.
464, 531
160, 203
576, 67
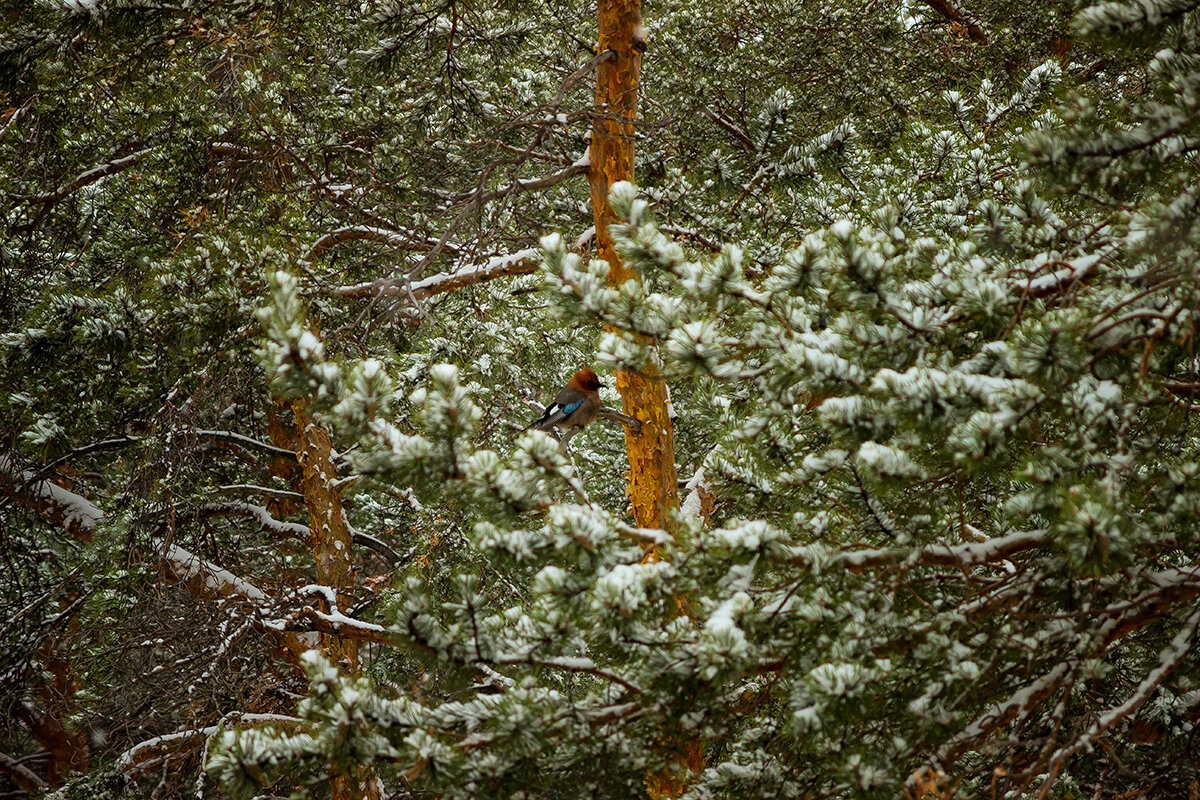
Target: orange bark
331, 538
331, 547
284, 437
653, 483
66, 744
652, 479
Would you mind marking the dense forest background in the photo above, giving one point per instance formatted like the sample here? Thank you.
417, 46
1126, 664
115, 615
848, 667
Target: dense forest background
898, 299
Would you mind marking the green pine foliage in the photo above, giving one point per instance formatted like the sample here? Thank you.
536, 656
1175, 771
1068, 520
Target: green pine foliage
930, 343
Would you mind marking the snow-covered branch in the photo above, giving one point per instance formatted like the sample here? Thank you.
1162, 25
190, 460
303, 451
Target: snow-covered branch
522, 262
88, 177
149, 753
79, 516
698, 504
565, 663
578, 167
74, 513
219, 581
1064, 278
259, 514
963, 555
237, 438
14, 118
338, 624
1019, 703
400, 240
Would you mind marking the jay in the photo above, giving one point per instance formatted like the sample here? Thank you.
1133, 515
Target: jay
574, 406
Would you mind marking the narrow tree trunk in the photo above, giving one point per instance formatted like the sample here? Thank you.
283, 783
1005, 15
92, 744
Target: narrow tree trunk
331, 547
331, 538
653, 489
652, 480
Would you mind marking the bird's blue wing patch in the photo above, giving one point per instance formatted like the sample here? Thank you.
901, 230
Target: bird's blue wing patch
570, 408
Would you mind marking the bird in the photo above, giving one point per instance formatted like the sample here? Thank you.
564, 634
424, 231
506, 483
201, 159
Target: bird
575, 406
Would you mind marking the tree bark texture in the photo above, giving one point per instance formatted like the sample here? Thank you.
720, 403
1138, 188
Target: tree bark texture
331, 537
960, 17
332, 553
653, 484
653, 491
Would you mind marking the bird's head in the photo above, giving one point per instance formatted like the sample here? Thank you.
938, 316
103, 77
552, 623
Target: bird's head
585, 380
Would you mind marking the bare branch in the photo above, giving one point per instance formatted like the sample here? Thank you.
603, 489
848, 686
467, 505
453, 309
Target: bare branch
727, 125
91, 176
21, 775
578, 75
237, 438
578, 167
694, 235
616, 416
378, 545
522, 262
401, 240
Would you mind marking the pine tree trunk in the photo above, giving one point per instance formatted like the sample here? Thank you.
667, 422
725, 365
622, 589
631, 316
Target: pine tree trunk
331, 541
653, 484
332, 552
652, 480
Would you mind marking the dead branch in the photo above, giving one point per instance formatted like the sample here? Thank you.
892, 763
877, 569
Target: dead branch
25, 779
578, 167
401, 240
90, 176
246, 441
522, 262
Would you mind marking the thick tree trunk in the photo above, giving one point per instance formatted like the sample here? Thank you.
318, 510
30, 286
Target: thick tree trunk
652, 480
66, 744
